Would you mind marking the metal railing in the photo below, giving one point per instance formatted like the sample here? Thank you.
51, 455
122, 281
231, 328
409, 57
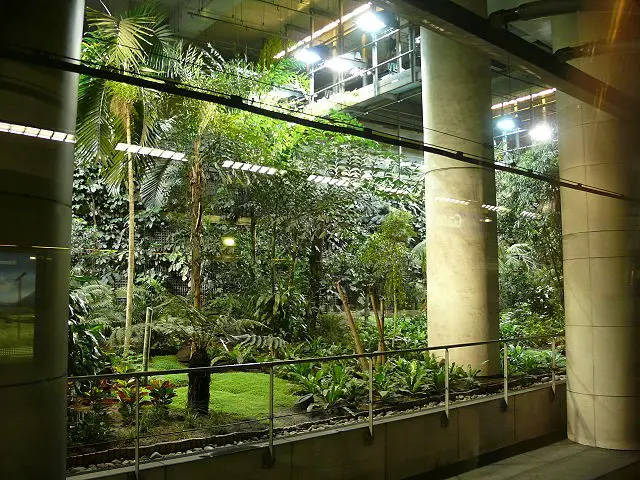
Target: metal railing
370, 358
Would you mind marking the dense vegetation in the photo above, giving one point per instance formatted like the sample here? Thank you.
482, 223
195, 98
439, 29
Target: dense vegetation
238, 265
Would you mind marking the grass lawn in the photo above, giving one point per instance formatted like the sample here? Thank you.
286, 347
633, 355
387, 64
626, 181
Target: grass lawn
242, 394
169, 362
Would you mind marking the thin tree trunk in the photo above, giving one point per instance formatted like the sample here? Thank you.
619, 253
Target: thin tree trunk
146, 346
253, 240
395, 319
315, 280
131, 260
273, 258
354, 329
196, 181
380, 324
294, 259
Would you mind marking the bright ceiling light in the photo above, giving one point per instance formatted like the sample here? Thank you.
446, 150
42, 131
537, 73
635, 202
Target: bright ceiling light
506, 124
308, 56
541, 133
229, 241
338, 64
152, 152
327, 28
370, 22
37, 132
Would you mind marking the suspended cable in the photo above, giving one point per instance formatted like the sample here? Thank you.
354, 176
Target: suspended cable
57, 62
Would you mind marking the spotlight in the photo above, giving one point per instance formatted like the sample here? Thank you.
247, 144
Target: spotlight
229, 241
506, 124
541, 133
308, 56
370, 22
338, 64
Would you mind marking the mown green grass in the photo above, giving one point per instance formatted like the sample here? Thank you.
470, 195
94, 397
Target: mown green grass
242, 394
169, 362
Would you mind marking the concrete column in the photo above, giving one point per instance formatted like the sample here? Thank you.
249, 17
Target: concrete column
462, 271
600, 242
35, 216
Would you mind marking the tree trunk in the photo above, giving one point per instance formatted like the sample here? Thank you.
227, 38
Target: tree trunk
315, 280
354, 329
380, 324
254, 240
294, 260
273, 258
199, 382
196, 182
131, 260
395, 319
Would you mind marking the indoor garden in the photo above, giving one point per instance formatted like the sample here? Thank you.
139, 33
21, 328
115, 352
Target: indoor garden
205, 235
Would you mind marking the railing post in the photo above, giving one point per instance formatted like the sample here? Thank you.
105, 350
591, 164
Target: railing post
505, 367
446, 382
374, 61
553, 365
271, 414
371, 395
137, 450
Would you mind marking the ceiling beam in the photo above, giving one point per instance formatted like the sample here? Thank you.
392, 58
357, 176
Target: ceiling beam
451, 20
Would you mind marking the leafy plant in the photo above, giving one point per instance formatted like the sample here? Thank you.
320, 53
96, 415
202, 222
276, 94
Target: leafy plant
127, 396
161, 393
412, 376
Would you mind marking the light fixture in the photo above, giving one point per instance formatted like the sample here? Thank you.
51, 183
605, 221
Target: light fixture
336, 182
250, 167
328, 27
452, 200
152, 152
308, 56
229, 241
370, 22
541, 133
338, 64
37, 132
506, 124
543, 93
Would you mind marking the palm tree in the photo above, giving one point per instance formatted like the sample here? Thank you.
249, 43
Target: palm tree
111, 112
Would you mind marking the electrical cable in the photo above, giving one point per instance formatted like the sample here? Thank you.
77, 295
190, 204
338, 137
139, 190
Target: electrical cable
58, 62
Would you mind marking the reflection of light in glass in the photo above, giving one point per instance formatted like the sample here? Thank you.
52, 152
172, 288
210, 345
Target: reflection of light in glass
543, 93
152, 152
338, 64
330, 26
32, 258
37, 132
336, 182
250, 167
506, 124
370, 22
308, 56
229, 241
541, 133
452, 200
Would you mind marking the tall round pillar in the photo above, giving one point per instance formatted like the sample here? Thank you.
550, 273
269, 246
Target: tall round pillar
462, 272
600, 241
36, 173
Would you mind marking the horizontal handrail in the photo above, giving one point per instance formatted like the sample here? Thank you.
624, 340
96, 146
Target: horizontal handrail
294, 361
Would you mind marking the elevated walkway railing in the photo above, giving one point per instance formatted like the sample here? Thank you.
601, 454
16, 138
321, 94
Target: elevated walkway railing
501, 386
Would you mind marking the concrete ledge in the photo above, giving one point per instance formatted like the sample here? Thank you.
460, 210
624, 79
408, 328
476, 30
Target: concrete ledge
402, 446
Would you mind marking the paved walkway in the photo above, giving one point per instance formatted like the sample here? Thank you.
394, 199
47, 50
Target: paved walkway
562, 460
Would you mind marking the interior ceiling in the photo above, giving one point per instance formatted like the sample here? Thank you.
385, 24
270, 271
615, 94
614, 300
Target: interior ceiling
241, 27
